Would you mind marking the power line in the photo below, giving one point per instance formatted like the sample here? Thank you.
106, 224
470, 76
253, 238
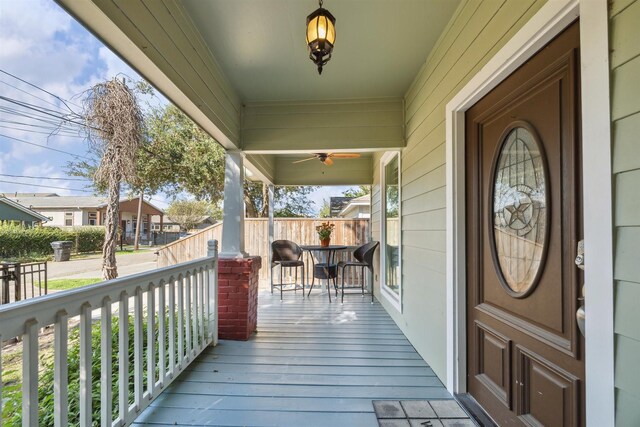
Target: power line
45, 147
45, 177
43, 90
52, 132
45, 186
30, 94
43, 110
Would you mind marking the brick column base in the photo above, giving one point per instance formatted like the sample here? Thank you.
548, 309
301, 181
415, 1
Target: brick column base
238, 280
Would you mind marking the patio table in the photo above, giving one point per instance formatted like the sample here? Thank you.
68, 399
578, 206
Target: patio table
328, 254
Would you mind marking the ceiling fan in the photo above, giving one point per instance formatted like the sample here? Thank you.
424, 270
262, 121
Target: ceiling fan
326, 158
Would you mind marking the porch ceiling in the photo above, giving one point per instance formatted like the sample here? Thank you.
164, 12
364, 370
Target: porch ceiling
240, 69
260, 45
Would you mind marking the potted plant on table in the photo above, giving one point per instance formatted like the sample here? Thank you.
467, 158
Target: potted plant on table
324, 233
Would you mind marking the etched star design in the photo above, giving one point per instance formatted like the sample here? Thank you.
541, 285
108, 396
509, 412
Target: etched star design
517, 213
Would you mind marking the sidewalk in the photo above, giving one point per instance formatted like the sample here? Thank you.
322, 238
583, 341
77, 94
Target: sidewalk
90, 267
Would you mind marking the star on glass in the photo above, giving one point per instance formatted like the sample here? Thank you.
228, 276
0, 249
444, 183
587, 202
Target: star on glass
517, 213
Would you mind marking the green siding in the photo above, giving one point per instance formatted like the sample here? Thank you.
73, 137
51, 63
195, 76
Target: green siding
475, 33
9, 213
625, 113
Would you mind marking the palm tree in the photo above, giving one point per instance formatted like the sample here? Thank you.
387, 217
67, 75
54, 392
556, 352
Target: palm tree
115, 126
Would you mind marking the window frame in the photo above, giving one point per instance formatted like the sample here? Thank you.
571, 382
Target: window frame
394, 299
68, 216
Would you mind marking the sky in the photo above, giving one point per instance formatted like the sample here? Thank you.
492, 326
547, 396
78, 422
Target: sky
49, 51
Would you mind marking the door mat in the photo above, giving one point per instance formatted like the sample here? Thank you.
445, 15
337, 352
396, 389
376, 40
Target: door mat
421, 413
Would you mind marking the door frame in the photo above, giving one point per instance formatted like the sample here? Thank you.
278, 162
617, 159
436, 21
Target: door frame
546, 24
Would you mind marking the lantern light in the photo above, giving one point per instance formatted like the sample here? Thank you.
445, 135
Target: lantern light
321, 36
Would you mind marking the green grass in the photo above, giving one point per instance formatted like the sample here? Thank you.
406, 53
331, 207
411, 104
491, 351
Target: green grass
62, 284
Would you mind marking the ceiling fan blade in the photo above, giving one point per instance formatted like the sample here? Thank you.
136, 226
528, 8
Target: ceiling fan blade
328, 161
303, 160
344, 155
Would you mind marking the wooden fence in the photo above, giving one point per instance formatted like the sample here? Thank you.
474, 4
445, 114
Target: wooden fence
348, 232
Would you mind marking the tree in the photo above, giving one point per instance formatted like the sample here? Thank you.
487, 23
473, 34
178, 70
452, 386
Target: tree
188, 213
115, 126
291, 201
325, 210
359, 191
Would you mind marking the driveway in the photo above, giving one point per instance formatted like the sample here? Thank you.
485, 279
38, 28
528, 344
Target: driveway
86, 268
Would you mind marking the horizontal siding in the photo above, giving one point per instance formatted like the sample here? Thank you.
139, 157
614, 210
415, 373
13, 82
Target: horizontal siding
327, 125
477, 30
625, 113
626, 149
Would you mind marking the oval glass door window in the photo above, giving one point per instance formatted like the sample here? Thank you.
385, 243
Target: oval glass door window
520, 211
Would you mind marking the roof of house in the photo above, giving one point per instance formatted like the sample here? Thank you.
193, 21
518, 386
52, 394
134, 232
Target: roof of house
60, 202
35, 215
358, 201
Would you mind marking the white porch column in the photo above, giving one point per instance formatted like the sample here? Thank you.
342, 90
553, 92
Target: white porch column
233, 213
271, 202
271, 226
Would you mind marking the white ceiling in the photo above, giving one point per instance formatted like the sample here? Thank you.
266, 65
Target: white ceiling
260, 45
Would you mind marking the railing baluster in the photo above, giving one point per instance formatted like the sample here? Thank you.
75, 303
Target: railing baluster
151, 340
123, 356
30, 374
85, 365
106, 370
162, 335
138, 350
196, 327
202, 304
187, 306
172, 328
61, 370
180, 322
194, 313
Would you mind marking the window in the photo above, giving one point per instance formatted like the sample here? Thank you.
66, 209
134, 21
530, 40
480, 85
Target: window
93, 218
390, 218
68, 219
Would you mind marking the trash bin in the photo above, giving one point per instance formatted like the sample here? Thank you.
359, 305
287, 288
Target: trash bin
61, 250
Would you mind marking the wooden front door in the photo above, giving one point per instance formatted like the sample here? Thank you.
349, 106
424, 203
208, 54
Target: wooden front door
525, 356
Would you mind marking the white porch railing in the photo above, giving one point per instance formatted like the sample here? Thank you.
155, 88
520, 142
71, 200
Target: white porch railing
176, 307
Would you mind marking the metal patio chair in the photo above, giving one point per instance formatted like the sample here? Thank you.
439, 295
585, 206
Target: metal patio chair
364, 259
286, 254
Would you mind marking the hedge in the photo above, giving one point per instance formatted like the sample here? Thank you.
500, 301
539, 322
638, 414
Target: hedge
18, 241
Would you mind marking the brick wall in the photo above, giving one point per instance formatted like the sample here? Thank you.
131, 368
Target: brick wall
238, 297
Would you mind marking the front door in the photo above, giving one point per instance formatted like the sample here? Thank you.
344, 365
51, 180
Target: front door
525, 353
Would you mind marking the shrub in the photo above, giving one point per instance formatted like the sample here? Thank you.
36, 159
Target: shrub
18, 241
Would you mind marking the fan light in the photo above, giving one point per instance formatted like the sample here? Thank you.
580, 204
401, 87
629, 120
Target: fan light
321, 36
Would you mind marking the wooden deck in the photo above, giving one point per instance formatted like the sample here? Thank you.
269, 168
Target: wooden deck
311, 363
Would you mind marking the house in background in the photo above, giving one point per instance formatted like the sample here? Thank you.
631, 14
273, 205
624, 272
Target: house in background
170, 226
14, 212
359, 207
77, 211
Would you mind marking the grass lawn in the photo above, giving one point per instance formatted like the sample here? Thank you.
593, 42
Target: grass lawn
62, 284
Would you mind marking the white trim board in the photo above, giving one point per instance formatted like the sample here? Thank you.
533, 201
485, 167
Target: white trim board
393, 299
550, 20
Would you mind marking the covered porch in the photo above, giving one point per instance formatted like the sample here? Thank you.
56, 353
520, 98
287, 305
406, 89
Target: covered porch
309, 363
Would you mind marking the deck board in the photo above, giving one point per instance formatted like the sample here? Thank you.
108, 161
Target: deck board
310, 363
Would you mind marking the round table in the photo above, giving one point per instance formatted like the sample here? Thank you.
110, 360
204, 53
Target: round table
328, 253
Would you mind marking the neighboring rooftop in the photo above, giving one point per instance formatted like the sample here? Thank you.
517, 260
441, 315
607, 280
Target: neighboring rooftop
6, 214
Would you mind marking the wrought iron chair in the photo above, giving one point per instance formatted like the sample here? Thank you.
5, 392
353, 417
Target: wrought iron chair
286, 254
363, 259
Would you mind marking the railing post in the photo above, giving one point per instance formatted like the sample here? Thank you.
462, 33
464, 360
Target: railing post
212, 305
30, 374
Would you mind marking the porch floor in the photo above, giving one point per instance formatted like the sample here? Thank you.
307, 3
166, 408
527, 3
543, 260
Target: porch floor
310, 363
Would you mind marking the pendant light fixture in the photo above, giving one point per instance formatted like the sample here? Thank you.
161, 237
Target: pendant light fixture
321, 36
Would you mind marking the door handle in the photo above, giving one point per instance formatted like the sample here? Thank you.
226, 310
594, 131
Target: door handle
580, 313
